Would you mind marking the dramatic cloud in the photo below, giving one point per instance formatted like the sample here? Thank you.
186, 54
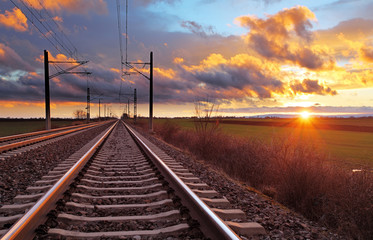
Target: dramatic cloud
311, 87
14, 19
75, 6
247, 75
197, 28
285, 37
10, 60
347, 38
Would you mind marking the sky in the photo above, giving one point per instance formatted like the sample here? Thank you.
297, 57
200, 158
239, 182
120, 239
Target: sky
247, 57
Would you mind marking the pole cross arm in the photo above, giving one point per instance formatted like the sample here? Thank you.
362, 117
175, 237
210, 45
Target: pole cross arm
88, 73
81, 62
67, 71
135, 69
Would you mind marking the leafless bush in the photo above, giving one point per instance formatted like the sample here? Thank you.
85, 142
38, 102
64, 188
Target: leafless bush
207, 130
79, 114
298, 171
168, 130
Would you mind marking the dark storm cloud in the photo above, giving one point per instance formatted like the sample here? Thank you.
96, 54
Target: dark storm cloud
311, 87
228, 77
9, 59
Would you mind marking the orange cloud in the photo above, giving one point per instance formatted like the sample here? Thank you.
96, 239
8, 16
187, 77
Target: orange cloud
75, 6
168, 73
59, 57
14, 19
178, 60
58, 19
12, 104
115, 70
285, 37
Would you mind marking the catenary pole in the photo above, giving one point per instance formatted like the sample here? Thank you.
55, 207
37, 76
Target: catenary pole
151, 94
47, 93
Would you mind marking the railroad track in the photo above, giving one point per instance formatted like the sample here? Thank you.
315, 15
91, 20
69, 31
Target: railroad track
17, 144
121, 186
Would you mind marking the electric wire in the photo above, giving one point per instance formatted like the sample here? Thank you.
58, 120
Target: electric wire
48, 30
48, 33
60, 29
31, 20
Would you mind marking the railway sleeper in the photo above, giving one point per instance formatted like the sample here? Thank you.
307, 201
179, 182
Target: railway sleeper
167, 231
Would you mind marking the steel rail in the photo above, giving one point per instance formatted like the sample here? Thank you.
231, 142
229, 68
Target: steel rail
24, 135
214, 226
25, 227
39, 139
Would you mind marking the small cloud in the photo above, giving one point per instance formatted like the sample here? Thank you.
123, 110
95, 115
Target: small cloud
58, 19
178, 60
198, 29
115, 70
148, 2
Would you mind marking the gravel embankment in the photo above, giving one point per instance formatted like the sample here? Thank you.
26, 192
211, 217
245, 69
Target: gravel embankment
19, 172
278, 221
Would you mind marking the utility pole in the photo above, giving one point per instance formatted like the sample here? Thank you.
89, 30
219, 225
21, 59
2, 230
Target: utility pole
47, 93
47, 78
128, 107
99, 109
151, 94
134, 105
150, 78
88, 105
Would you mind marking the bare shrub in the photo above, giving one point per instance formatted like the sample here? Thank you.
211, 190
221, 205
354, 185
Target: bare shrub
350, 204
168, 130
79, 114
207, 130
298, 171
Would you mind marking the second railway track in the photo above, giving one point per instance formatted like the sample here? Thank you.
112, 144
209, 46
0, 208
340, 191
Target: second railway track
126, 190
16, 144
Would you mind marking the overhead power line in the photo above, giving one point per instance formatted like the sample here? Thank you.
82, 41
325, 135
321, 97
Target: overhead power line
42, 21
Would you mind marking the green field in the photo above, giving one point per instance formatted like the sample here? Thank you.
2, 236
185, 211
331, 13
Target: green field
352, 146
12, 127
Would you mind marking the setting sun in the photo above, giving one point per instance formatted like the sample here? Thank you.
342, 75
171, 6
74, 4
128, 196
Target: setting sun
305, 115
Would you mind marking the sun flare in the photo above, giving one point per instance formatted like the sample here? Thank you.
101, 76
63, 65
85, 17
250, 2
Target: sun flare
305, 115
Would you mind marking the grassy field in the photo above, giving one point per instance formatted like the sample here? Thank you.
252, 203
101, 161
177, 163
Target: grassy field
12, 127
348, 141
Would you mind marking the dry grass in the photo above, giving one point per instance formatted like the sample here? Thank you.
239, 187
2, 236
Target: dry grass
289, 169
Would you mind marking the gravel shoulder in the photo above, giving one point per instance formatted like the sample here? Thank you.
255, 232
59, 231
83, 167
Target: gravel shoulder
278, 221
19, 172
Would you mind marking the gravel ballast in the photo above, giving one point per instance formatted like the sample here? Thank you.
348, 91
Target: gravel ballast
21, 171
